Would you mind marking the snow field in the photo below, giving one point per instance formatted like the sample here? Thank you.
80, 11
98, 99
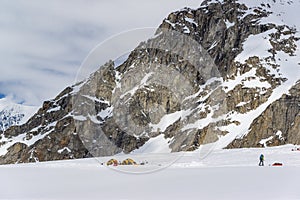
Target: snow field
223, 174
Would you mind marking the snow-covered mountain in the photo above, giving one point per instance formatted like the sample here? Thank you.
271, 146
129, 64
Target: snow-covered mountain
14, 114
226, 74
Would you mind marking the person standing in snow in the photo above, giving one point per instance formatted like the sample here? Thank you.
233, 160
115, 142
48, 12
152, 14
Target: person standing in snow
261, 160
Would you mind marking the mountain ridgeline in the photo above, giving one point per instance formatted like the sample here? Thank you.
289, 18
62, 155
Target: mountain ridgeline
192, 83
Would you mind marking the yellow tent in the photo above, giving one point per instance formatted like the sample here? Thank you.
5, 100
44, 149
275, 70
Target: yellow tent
112, 162
128, 161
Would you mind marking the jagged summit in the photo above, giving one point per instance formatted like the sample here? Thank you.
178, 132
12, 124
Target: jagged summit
217, 74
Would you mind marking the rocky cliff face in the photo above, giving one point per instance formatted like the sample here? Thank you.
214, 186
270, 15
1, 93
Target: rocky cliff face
48, 135
279, 124
195, 82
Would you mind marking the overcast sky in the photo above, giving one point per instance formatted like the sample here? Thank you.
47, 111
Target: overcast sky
42, 43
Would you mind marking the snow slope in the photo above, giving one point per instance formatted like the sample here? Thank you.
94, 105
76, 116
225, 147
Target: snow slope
283, 13
223, 174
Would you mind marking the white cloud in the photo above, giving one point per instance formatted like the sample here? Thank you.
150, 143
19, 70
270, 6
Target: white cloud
42, 43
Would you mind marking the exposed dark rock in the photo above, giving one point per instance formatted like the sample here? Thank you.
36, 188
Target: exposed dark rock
280, 122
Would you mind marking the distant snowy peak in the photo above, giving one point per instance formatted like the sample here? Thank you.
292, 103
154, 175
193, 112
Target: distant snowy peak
14, 114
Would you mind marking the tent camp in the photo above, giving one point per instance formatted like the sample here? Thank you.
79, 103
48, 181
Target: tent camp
113, 162
128, 161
